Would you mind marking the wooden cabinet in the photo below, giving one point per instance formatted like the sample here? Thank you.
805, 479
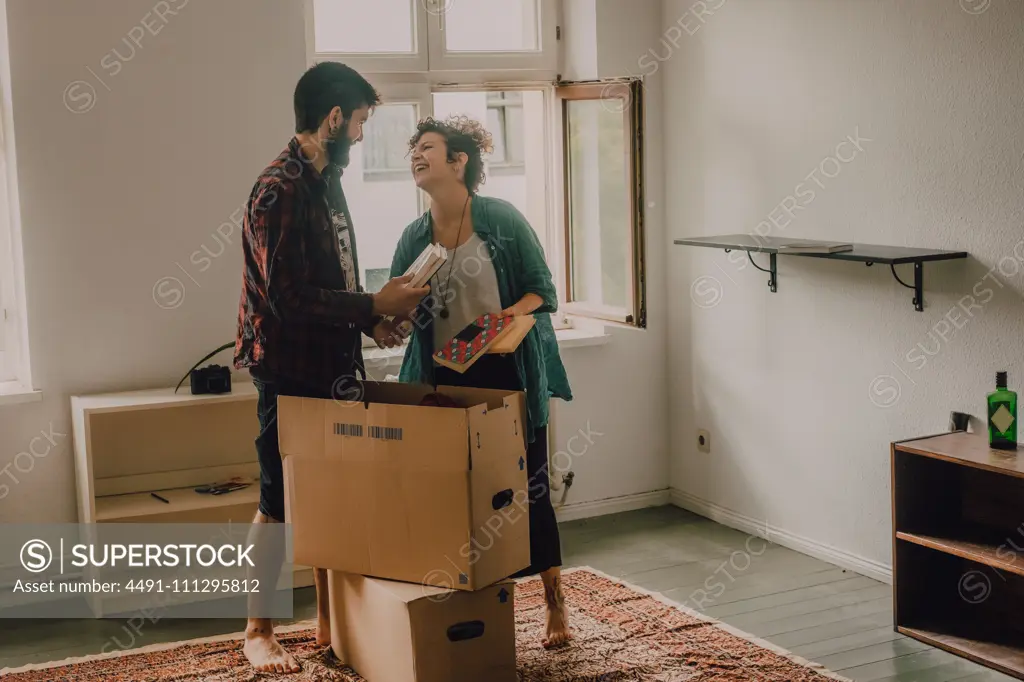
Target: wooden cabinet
958, 547
133, 444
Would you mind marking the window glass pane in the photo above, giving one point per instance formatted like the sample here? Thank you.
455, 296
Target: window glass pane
383, 200
599, 204
383, 26
492, 26
497, 130
386, 138
524, 186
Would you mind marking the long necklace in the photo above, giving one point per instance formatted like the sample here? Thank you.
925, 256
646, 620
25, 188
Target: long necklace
444, 306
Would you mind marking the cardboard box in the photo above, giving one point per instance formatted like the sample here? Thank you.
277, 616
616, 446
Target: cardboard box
391, 489
398, 632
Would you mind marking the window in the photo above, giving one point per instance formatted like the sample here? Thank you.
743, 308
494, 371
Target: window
8, 316
437, 40
567, 155
378, 182
525, 187
505, 122
603, 198
385, 145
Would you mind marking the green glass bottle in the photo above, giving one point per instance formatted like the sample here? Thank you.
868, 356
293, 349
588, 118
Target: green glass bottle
1002, 416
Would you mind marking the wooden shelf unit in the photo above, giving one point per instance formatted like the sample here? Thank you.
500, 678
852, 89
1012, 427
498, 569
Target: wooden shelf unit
958, 547
132, 444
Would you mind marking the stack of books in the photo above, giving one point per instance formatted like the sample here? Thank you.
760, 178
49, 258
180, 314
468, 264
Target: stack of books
489, 333
427, 264
422, 269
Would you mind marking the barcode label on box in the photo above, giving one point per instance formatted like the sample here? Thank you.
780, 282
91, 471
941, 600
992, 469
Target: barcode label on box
355, 430
385, 432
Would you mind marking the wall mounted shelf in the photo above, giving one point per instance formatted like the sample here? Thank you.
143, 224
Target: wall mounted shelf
869, 254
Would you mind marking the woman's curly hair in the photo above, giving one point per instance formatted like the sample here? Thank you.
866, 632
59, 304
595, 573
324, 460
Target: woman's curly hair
462, 135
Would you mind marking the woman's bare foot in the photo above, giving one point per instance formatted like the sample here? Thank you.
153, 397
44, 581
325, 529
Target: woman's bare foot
558, 632
265, 653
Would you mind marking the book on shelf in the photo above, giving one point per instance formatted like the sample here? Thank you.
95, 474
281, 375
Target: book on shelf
802, 246
489, 333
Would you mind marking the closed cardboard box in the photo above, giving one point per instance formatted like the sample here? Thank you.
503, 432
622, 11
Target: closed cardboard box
390, 631
391, 489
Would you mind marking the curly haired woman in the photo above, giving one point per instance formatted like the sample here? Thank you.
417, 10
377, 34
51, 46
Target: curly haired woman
495, 265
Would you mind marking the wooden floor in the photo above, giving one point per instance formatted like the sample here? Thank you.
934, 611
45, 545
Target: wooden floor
814, 609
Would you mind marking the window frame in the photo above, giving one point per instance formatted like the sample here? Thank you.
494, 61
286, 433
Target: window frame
431, 63
629, 95
12, 358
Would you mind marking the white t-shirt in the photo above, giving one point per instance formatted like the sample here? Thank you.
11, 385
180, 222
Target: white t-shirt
471, 291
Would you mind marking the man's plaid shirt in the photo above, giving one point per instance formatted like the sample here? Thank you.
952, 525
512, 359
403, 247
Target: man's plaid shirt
296, 317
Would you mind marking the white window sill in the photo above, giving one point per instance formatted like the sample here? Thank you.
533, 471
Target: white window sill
567, 338
13, 393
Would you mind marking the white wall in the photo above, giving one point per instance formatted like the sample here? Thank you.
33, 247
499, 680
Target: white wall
804, 389
118, 198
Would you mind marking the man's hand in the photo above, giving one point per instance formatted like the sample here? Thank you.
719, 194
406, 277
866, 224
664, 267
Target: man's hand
387, 335
397, 298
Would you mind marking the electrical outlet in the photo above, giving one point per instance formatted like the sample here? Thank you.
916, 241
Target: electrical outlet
703, 440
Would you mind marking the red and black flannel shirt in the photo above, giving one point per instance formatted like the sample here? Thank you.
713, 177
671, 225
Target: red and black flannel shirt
296, 318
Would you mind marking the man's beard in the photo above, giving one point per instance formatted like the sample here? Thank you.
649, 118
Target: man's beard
338, 149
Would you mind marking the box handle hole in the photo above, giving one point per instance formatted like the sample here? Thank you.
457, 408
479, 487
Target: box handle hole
471, 629
502, 499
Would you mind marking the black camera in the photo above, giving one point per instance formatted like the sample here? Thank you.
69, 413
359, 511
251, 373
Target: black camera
210, 379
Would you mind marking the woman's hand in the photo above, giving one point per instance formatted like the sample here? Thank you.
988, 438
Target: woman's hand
388, 335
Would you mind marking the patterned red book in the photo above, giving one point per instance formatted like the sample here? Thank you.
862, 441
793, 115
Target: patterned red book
472, 342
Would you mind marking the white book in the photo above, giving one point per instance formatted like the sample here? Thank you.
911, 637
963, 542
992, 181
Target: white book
424, 267
427, 264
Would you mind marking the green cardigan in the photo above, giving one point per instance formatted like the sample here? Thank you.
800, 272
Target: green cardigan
521, 269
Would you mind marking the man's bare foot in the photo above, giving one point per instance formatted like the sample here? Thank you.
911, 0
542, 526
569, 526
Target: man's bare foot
558, 632
266, 654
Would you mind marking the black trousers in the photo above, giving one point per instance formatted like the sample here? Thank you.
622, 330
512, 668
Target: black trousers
268, 451
499, 372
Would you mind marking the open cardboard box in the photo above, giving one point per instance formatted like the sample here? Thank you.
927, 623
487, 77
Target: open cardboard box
400, 632
387, 488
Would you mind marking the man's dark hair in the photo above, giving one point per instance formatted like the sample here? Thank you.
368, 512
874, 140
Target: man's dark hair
328, 85
461, 134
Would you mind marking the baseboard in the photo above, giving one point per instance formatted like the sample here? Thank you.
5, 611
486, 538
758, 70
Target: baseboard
780, 536
612, 505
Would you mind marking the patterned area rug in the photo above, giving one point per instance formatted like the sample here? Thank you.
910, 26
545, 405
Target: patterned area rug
621, 633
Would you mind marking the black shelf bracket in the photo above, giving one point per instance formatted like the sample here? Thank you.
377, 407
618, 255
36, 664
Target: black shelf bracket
918, 285
773, 281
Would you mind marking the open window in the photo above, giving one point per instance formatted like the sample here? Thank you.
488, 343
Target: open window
602, 195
